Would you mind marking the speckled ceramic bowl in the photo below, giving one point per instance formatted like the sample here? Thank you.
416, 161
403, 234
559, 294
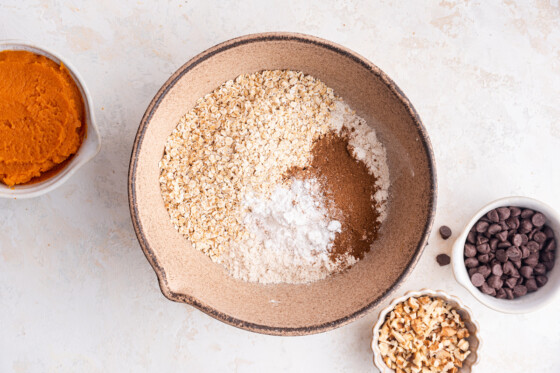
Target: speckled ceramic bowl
474, 339
89, 148
187, 275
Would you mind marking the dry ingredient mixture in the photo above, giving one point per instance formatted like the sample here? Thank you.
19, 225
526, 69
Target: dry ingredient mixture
41, 116
276, 178
424, 334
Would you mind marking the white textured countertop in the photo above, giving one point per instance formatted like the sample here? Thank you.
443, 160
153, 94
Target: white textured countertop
78, 295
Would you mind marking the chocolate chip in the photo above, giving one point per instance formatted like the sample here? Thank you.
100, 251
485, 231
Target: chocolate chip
443, 259
551, 245
532, 233
482, 226
532, 260
519, 291
494, 228
503, 213
445, 232
526, 271
484, 270
511, 282
517, 240
470, 250
483, 258
501, 294
541, 281
513, 253
548, 231
539, 269
509, 293
524, 239
472, 271
549, 265
538, 219
483, 248
501, 255
547, 256
504, 245
539, 237
471, 237
471, 262
515, 211
533, 246
497, 269
487, 289
525, 226
512, 222
477, 279
493, 244
480, 239
531, 285
493, 216
508, 268
527, 213
525, 252
495, 281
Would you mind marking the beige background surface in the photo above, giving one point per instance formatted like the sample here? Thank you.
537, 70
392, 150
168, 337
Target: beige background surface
77, 294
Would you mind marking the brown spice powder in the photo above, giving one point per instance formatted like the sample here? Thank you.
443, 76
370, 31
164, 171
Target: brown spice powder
349, 187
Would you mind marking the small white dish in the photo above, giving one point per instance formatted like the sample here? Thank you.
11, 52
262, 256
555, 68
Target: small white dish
475, 342
89, 148
528, 302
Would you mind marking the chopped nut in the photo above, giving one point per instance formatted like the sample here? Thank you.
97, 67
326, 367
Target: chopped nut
463, 345
448, 331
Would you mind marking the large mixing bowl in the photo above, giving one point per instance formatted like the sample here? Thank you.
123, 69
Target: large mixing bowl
187, 275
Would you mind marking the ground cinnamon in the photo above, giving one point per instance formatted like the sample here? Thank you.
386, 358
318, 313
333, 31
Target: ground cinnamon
349, 187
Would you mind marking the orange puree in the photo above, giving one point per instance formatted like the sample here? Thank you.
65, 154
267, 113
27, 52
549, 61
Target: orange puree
41, 116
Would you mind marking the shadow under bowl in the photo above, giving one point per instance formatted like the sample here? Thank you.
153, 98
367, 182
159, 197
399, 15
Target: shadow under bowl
187, 275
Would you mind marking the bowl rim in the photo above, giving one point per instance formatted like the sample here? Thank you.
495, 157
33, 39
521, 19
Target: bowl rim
516, 306
378, 360
92, 132
160, 95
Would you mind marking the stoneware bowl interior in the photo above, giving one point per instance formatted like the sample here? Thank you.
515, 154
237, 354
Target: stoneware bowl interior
526, 303
89, 148
186, 275
475, 342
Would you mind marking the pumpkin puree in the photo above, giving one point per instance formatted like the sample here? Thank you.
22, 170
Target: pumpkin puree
41, 116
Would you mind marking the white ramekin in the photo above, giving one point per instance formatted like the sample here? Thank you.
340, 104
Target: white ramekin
475, 342
526, 303
89, 148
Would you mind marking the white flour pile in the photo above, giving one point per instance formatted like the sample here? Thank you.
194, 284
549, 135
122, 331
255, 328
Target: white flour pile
291, 237
222, 176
